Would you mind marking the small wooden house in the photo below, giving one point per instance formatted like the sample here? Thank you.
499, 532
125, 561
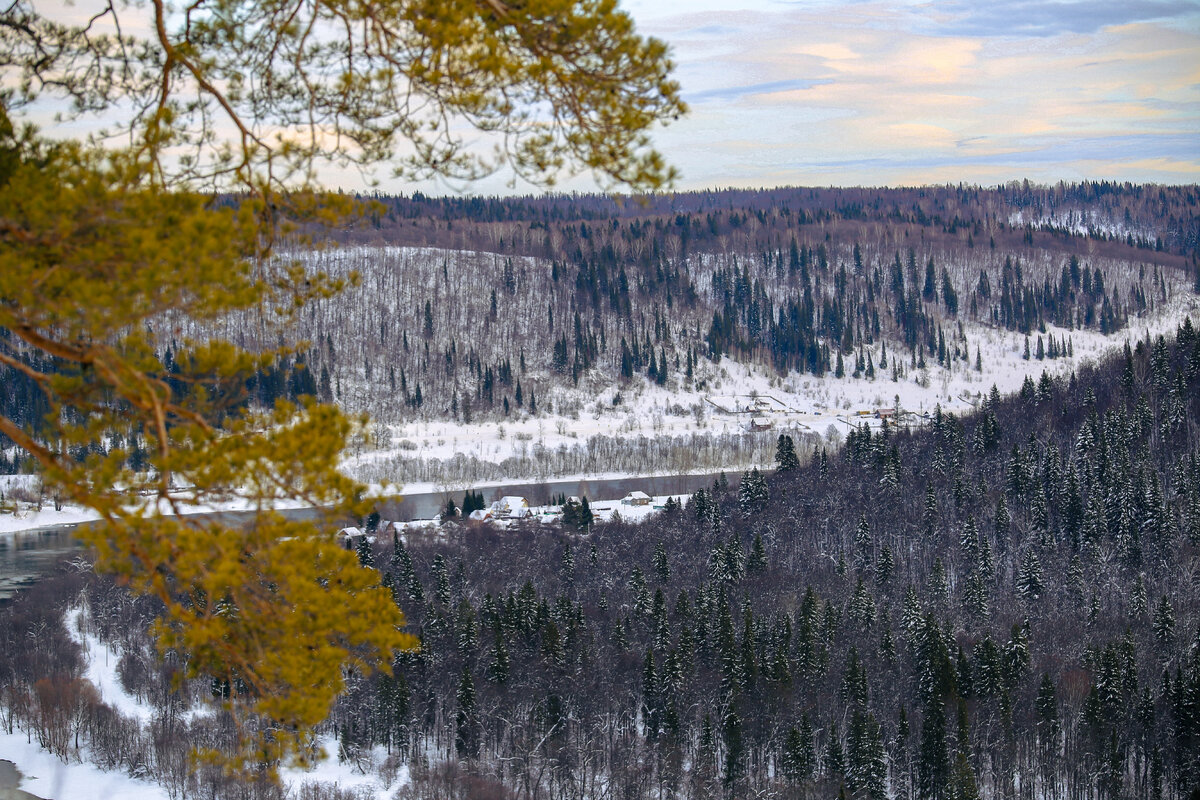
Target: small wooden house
636, 499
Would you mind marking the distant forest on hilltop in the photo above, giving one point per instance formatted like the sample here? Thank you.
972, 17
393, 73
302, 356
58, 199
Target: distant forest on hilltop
465, 300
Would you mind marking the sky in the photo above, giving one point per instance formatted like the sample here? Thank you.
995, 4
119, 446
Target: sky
817, 92
899, 92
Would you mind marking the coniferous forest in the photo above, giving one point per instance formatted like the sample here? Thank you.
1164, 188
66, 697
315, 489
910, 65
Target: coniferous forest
506, 310
999, 605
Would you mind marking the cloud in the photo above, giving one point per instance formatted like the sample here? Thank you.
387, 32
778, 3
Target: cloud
715, 30
1041, 18
871, 92
731, 93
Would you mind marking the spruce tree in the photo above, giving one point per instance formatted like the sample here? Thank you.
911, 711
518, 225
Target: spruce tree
466, 734
1029, 578
835, 755
756, 562
1164, 624
933, 758
785, 454
866, 771
498, 667
862, 542
662, 569
798, 754
365, 555
752, 493
734, 750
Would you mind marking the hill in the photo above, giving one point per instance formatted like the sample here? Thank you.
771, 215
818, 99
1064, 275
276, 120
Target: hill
1001, 603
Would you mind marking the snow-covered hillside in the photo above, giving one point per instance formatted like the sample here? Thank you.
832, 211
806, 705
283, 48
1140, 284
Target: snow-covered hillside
429, 455
76, 776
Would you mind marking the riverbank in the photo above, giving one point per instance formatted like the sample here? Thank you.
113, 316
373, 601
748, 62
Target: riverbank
419, 500
10, 783
29, 553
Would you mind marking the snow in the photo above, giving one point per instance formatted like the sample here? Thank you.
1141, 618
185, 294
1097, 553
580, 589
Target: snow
798, 402
101, 668
45, 776
48, 777
30, 518
602, 511
346, 776
826, 406
795, 403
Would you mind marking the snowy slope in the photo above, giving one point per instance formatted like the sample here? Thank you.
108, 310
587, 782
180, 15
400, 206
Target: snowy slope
824, 406
46, 776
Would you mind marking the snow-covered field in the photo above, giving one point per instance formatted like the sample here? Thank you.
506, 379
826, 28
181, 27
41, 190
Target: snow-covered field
48, 777
45, 776
28, 516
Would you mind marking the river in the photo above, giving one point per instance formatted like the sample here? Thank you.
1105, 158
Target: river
28, 555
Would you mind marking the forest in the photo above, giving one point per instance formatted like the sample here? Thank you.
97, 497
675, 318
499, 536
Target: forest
1002, 604
485, 309
525, 309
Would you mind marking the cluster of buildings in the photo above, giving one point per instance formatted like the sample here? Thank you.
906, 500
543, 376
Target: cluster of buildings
512, 509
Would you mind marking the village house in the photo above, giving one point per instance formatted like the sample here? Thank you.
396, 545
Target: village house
511, 507
636, 499
348, 536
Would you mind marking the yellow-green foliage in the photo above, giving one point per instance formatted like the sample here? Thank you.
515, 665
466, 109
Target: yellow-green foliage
89, 254
102, 252
262, 92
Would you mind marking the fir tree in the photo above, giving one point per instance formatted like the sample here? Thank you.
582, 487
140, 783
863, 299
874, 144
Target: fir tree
734, 749
498, 667
756, 562
366, 557
1029, 578
1164, 624
867, 761
662, 569
798, 753
834, 760
466, 735
752, 493
933, 759
862, 542
785, 454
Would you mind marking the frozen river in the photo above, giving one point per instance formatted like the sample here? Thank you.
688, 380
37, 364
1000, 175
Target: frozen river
28, 555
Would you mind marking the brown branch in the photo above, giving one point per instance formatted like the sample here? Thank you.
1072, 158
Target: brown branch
173, 56
44, 455
40, 377
29, 335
